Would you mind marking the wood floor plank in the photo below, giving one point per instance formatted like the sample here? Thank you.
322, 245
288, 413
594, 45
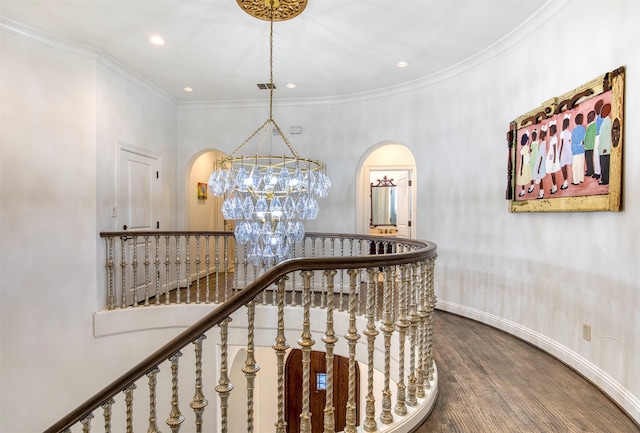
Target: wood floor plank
493, 382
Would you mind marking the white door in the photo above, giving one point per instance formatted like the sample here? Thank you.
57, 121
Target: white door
403, 189
137, 210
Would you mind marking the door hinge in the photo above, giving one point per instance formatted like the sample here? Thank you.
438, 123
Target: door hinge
157, 175
410, 182
409, 224
157, 224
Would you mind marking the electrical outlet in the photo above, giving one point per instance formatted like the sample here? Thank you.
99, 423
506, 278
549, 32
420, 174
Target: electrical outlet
586, 332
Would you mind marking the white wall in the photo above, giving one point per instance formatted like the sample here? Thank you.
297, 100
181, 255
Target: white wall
134, 115
539, 276
204, 214
63, 108
225, 128
48, 186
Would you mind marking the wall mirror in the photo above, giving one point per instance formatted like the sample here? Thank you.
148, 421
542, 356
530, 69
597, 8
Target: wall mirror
384, 203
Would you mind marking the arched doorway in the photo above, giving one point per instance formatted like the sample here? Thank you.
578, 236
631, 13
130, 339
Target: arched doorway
203, 213
395, 161
317, 396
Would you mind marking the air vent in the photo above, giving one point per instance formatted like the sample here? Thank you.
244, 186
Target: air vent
265, 86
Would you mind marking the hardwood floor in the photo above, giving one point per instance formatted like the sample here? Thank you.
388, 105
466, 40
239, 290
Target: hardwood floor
493, 382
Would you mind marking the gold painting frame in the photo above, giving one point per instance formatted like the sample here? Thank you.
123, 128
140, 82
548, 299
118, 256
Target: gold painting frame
566, 155
202, 190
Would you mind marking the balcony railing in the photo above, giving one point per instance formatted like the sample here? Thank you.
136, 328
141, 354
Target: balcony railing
368, 299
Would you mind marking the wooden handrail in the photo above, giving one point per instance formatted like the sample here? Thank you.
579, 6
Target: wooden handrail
423, 251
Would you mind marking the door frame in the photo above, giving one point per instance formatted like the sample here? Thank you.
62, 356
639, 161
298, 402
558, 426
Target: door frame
122, 147
405, 161
394, 172
365, 207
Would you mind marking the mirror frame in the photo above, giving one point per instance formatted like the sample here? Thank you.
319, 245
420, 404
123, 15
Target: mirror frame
385, 182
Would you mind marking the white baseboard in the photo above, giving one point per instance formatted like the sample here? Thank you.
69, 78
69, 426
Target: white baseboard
618, 393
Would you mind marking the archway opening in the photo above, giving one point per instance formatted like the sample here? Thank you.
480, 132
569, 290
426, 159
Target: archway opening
204, 209
396, 161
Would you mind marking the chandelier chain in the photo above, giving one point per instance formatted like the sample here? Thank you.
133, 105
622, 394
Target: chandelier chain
271, 86
266, 122
271, 64
269, 196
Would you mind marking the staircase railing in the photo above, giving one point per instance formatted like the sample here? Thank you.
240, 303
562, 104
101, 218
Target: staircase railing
379, 288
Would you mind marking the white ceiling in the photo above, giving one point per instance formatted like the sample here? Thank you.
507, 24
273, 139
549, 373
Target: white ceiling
334, 48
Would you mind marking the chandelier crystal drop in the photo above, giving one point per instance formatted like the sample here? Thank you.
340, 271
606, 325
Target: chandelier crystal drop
269, 196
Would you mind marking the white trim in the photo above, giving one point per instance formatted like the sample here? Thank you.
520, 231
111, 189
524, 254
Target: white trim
362, 185
115, 66
618, 393
75, 48
43, 38
526, 28
548, 10
122, 146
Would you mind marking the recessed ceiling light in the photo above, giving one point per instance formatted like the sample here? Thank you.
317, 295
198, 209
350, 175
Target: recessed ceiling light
188, 89
156, 40
402, 64
291, 85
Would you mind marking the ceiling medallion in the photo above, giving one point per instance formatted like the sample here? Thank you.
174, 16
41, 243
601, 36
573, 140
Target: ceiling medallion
283, 10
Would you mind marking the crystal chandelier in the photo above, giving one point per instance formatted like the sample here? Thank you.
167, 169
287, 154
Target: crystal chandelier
269, 196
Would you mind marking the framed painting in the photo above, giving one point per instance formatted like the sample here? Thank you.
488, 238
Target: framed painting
566, 155
202, 191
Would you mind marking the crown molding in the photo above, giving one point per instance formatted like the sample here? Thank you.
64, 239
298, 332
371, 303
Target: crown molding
523, 30
99, 56
114, 65
43, 38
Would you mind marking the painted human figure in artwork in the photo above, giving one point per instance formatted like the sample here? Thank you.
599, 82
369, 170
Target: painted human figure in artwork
604, 144
539, 169
577, 149
590, 143
524, 171
597, 170
533, 156
553, 157
566, 153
